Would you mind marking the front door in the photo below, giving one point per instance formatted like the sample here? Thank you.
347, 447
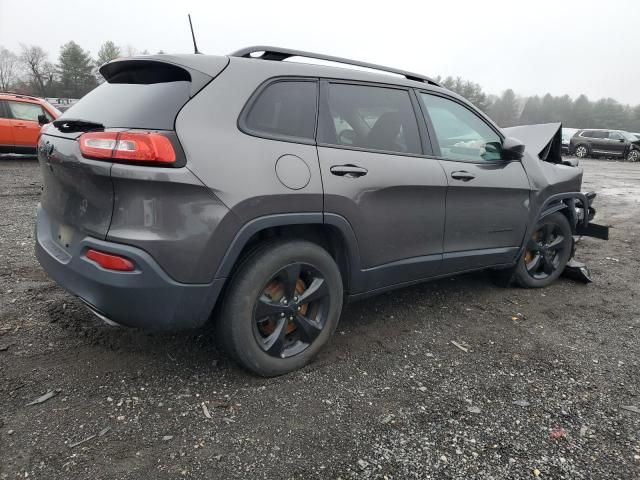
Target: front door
375, 175
617, 143
487, 197
25, 122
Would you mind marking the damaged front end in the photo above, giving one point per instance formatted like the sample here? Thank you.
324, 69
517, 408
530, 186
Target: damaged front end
556, 186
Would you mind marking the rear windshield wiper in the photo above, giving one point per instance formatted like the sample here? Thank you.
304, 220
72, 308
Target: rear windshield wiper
69, 126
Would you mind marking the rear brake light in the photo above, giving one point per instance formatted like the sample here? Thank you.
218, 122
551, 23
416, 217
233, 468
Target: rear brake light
110, 261
138, 146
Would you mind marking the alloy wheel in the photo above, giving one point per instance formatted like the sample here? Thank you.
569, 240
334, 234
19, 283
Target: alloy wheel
291, 310
581, 151
634, 156
543, 252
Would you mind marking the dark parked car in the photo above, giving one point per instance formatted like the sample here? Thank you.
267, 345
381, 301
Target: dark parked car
613, 143
269, 191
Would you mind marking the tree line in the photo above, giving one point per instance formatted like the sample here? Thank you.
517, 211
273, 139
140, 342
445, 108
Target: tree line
509, 109
75, 72
31, 71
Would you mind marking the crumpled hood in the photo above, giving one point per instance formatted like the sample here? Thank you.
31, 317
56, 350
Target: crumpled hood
543, 141
542, 160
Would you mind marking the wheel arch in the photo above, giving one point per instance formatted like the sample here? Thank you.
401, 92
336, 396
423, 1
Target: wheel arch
560, 202
331, 232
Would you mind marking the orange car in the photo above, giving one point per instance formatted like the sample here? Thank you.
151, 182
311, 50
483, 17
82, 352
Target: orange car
21, 117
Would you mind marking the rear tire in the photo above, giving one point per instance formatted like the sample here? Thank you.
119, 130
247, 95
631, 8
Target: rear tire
582, 151
546, 253
281, 307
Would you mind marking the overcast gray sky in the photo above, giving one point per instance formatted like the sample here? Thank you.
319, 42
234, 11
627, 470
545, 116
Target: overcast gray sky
534, 47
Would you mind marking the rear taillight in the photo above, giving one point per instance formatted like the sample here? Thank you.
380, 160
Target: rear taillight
110, 261
139, 146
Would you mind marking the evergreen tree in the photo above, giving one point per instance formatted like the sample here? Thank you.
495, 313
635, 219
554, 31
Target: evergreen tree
469, 90
76, 71
108, 51
532, 111
505, 111
581, 114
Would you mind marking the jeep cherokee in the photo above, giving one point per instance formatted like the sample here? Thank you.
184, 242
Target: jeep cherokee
263, 192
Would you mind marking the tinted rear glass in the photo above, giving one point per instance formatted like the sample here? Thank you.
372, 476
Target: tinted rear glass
284, 109
132, 105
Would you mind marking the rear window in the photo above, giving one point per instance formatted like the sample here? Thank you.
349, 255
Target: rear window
148, 97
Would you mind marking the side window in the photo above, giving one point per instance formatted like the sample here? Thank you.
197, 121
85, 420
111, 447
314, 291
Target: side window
25, 111
461, 134
4, 113
374, 118
615, 136
599, 134
284, 108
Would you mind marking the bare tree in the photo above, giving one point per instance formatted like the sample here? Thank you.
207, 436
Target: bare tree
8, 68
130, 51
39, 69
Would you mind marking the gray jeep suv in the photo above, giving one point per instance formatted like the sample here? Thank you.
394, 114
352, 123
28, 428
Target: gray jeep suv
263, 193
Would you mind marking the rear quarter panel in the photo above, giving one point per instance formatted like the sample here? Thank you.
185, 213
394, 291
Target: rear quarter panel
240, 169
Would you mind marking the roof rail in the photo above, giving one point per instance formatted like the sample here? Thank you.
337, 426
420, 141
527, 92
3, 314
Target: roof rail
279, 54
21, 95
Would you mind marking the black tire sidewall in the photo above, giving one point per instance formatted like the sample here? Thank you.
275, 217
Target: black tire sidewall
236, 316
522, 276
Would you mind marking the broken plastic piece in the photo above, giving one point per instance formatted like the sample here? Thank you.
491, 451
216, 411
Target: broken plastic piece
577, 271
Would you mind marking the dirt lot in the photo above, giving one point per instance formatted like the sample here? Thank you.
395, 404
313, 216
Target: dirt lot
539, 392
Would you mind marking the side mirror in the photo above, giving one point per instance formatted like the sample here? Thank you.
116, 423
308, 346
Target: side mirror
42, 119
512, 149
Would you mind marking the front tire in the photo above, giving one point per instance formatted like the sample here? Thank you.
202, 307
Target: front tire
633, 156
546, 254
282, 305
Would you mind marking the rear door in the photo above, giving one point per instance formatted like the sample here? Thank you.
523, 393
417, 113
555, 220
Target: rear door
375, 175
599, 141
25, 122
487, 197
6, 128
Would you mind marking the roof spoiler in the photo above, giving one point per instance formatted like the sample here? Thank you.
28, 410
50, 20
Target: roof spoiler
152, 70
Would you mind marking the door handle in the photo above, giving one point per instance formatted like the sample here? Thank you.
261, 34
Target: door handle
463, 175
350, 171
20, 125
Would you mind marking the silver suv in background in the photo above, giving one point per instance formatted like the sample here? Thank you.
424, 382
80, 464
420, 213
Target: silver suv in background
262, 193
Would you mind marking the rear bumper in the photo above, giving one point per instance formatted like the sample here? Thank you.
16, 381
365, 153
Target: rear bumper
145, 298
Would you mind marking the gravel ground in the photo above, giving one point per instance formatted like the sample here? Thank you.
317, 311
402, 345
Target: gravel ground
539, 390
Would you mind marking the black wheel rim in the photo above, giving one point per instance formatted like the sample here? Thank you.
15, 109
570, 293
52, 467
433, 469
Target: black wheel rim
544, 251
291, 310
